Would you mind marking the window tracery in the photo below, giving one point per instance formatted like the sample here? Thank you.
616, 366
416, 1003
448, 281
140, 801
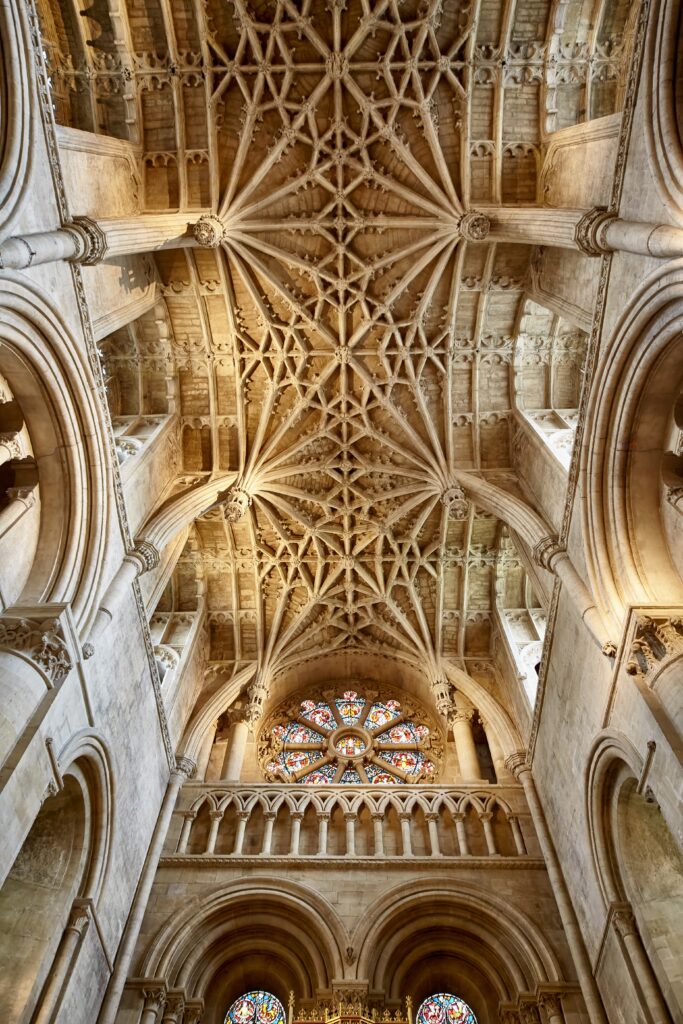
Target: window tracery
256, 1007
350, 737
445, 1008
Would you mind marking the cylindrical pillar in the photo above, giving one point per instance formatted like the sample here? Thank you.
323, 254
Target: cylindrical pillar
460, 722
350, 834
323, 821
205, 751
154, 1003
297, 818
237, 745
242, 819
625, 926
497, 755
486, 820
404, 818
520, 845
596, 1014
269, 818
188, 818
377, 824
433, 826
459, 819
141, 560
184, 769
216, 818
20, 500
62, 967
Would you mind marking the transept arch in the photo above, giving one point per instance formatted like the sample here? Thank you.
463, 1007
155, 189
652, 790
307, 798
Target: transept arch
16, 122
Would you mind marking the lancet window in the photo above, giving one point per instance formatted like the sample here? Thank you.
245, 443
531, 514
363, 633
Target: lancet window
445, 1008
348, 737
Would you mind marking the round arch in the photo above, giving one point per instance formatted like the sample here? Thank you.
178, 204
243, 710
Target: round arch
16, 132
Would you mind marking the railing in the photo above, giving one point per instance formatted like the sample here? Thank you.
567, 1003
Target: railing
345, 821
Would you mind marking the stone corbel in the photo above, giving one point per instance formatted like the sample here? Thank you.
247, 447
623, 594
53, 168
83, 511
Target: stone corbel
41, 642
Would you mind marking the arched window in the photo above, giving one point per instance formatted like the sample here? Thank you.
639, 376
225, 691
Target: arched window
351, 739
256, 1007
445, 1008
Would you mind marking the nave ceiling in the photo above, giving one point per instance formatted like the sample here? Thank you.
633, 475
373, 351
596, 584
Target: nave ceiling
341, 348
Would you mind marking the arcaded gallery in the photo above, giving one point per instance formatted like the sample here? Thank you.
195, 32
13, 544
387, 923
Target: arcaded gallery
341, 511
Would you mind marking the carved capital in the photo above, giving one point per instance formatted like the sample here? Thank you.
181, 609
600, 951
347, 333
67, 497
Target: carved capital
550, 1004
27, 495
209, 231
12, 443
623, 922
92, 241
235, 504
456, 503
589, 232
474, 226
185, 766
193, 1013
458, 715
154, 996
79, 916
546, 551
147, 555
517, 764
41, 642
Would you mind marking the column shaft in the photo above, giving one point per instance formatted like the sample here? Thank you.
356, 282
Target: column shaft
377, 823
234, 755
405, 835
468, 759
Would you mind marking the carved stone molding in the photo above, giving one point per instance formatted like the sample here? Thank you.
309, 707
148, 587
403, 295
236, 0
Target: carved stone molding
589, 235
147, 555
209, 231
474, 226
42, 643
186, 767
91, 238
546, 551
656, 640
456, 503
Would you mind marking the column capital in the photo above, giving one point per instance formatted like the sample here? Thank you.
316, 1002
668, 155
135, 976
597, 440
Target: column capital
235, 503
209, 231
589, 233
350, 816
550, 1003
546, 551
145, 555
216, 815
456, 502
40, 642
623, 921
517, 763
185, 767
474, 226
457, 715
91, 241
80, 916
154, 995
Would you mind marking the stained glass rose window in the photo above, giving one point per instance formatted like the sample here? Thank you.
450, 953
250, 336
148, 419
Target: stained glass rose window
256, 1007
445, 1008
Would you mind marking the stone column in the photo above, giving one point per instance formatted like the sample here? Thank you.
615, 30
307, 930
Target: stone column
216, 818
433, 826
520, 845
486, 820
175, 1008
154, 1003
460, 721
242, 819
519, 766
592, 232
625, 926
188, 818
323, 822
237, 745
11, 446
404, 817
459, 819
297, 818
497, 755
87, 241
350, 834
142, 559
63, 964
269, 818
21, 499
377, 824
552, 1007
184, 769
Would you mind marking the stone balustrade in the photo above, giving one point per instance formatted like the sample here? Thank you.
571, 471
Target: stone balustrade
348, 821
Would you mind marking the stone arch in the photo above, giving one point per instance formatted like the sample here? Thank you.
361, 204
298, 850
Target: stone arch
633, 398
664, 84
48, 899
639, 866
439, 932
65, 424
16, 132
266, 933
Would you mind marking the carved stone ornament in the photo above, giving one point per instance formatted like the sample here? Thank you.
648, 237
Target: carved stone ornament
42, 643
209, 231
441, 688
154, 997
12, 444
546, 550
589, 231
474, 226
147, 554
235, 505
456, 503
186, 766
655, 641
92, 241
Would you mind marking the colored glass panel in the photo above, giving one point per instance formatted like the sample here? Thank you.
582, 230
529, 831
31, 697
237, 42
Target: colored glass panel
407, 760
350, 707
319, 713
279, 731
379, 776
349, 746
445, 1008
350, 778
404, 732
295, 760
297, 733
381, 714
256, 1007
322, 776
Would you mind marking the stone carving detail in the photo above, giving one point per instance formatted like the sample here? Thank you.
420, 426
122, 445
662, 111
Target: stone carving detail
186, 766
674, 495
546, 551
656, 641
456, 503
209, 231
42, 643
590, 229
474, 226
92, 241
147, 554
235, 504
12, 444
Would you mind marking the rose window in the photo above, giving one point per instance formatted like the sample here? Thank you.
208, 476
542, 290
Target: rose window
350, 739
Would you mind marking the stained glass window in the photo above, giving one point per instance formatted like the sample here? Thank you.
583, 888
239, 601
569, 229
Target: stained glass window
256, 1007
350, 739
445, 1008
